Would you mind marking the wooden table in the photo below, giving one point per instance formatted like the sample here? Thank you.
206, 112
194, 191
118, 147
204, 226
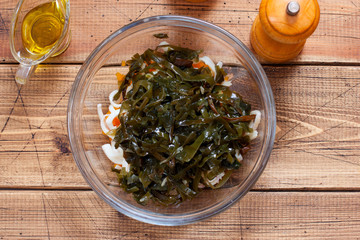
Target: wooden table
311, 185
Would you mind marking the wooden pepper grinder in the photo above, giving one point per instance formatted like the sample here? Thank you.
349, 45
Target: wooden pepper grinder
280, 30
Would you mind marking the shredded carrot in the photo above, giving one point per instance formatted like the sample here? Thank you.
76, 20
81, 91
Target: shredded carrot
198, 64
123, 63
115, 165
151, 61
152, 70
226, 78
120, 77
116, 122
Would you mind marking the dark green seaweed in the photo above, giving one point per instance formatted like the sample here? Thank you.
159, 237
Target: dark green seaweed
179, 128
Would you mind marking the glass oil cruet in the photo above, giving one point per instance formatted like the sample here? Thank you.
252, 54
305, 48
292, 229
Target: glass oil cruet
39, 30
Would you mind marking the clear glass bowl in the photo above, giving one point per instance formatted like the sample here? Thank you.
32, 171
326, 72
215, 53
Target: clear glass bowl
96, 79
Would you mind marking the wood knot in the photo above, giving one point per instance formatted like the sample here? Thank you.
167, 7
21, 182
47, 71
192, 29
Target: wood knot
62, 144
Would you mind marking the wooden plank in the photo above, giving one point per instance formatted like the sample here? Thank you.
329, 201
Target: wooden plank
34, 147
317, 127
335, 40
317, 144
271, 215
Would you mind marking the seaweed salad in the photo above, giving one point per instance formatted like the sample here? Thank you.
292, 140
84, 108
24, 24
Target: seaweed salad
175, 126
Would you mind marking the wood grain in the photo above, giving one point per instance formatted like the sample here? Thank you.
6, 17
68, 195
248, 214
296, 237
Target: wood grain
336, 40
83, 215
317, 144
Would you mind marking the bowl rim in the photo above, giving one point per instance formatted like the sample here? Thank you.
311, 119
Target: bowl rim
148, 216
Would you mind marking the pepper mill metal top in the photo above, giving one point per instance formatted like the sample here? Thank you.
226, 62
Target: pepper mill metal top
293, 8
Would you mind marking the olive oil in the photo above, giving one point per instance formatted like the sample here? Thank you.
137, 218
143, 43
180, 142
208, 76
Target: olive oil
42, 28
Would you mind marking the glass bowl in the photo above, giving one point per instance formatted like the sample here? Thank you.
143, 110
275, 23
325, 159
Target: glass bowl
96, 79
